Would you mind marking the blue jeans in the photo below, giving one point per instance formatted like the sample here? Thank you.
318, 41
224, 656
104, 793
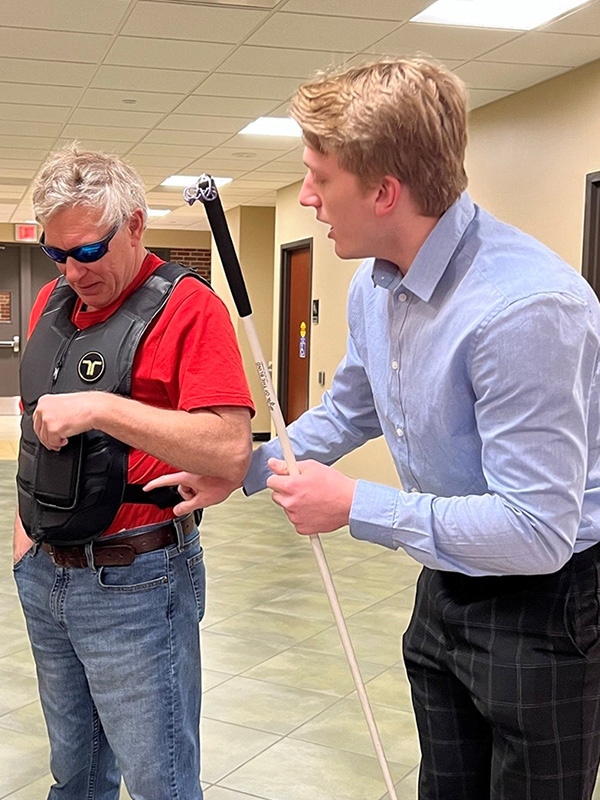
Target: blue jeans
117, 653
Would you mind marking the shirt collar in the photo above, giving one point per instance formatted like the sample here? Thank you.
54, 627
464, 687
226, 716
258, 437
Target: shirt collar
435, 254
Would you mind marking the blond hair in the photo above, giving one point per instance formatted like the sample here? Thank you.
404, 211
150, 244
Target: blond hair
401, 117
75, 177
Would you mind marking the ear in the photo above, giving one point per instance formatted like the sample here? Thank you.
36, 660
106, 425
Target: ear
388, 195
135, 225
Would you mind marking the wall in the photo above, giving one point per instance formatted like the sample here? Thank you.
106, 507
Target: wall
252, 231
153, 237
529, 154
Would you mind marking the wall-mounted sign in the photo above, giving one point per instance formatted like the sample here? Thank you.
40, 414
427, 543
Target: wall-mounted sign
26, 232
303, 340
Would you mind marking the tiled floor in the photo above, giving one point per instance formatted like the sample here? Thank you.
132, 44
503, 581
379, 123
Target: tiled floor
281, 720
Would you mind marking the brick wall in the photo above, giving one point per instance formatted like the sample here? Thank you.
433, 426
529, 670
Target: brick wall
198, 260
5, 306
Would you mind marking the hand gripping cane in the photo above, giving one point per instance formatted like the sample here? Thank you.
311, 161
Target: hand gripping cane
205, 191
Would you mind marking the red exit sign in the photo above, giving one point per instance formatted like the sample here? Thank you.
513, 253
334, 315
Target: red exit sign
26, 232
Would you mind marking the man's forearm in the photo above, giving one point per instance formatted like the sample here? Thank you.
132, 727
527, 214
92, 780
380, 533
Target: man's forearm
204, 442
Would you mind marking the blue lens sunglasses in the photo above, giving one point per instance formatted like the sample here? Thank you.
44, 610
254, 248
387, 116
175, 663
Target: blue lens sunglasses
85, 253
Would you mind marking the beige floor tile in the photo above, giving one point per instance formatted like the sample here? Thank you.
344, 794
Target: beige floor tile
385, 616
348, 585
343, 726
388, 566
232, 654
16, 691
9, 450
32, 791
210, 678
266, 706
226, 747
23, 759
369, 645
268, 626
216, 611
20, 662
11, 639
26, 719
219, 793
247, 591
294, 770
313, 605
407, 788
307, 669
391, 688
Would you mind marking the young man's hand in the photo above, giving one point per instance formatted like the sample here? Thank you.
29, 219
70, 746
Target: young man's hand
316, 501
198, 491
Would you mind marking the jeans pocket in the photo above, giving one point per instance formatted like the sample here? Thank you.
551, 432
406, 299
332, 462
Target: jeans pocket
197, 572
147, 571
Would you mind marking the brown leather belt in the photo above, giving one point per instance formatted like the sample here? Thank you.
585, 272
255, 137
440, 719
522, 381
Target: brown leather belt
119, 552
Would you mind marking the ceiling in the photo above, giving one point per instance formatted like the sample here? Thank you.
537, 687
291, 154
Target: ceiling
169, 83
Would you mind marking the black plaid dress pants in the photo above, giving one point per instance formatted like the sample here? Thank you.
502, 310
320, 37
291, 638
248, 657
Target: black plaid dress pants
505, 680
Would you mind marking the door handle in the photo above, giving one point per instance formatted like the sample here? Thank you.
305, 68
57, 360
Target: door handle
14, 344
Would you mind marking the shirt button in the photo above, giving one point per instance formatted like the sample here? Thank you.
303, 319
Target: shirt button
414, 490
402, 297
394, 365
399, 431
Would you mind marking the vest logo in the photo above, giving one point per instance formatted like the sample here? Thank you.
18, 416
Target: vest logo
91, 367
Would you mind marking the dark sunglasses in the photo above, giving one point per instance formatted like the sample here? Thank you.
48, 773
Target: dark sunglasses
85, 253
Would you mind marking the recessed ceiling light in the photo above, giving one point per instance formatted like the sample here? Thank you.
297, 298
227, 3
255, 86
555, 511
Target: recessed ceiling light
522, 15
273, 126
187, 180
158, 212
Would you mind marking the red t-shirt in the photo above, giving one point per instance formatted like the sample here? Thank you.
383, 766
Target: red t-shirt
188, 359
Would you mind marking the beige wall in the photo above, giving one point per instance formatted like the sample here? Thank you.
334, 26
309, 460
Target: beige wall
252, 231
152, 238
330, 280
529, 154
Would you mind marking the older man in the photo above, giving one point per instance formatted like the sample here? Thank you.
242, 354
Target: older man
131, 367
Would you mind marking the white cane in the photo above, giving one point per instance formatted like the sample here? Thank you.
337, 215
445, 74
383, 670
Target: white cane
205, 191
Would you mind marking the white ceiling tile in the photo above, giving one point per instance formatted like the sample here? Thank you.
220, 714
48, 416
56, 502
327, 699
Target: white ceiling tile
443, 41
168, 150
11, 173
481, 97
6, 211
381, 9
250, 86
289, 63
199, 123
192, 138
179, 21
129, 51
38, 95
223, 167
368, 58
11, 192
561, 49
171, 165
35, 142
64, 15
103, 146
121, 119
309, 32
141, 79
25, 113
19, 163
144, 101
225, 106
23, 128
110, 134
263, 186
286, 168
53, 73
52, 45
585, 20
486, 75
245, 154
25, 153
281, 178
245, 141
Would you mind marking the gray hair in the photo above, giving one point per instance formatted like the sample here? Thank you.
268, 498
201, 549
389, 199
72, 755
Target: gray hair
73, 177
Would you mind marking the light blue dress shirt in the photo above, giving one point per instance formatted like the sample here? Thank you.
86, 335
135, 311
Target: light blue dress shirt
480, 368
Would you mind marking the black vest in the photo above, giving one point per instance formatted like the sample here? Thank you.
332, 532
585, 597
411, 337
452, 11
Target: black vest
73, 495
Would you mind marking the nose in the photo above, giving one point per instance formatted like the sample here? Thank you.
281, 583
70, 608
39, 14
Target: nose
73, 270
308, 196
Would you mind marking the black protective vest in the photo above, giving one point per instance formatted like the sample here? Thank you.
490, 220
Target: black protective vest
73, 495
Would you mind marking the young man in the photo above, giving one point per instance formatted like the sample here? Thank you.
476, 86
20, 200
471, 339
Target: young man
131, 366
474, 350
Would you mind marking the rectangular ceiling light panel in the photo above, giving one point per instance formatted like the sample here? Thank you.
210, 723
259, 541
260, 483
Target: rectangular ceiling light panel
520, 15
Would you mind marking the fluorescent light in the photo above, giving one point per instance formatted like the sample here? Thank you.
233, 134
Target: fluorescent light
158, 212
522, 15
187, 180
273, 126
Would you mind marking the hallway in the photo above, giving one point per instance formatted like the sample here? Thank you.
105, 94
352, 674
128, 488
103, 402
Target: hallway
281, 720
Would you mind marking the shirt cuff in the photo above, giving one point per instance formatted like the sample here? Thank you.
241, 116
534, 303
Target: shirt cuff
259, 472
374, 508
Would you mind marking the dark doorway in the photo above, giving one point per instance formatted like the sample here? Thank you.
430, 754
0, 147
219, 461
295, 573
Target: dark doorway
590, 264
294, 331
